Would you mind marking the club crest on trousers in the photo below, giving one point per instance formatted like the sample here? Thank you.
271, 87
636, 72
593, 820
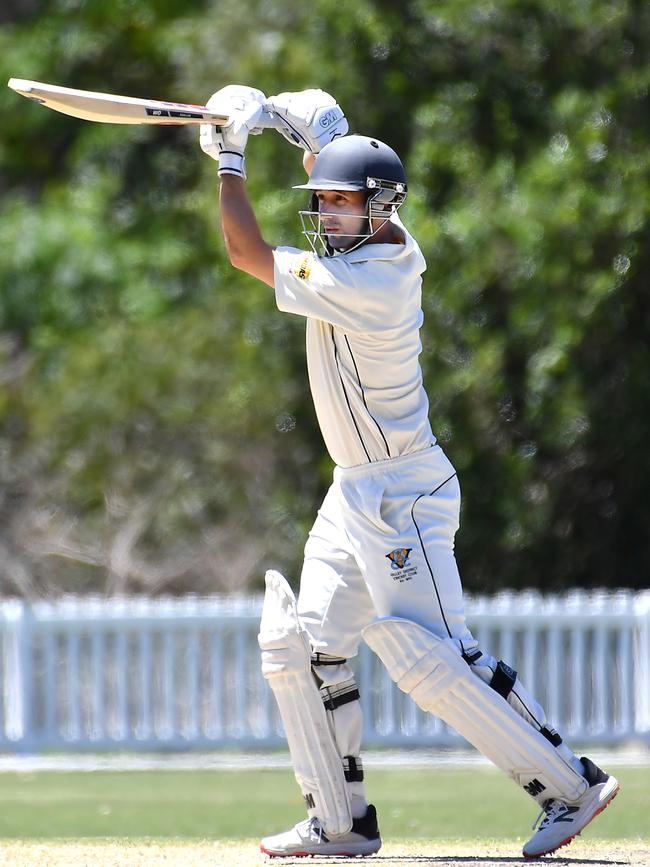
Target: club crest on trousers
399, 558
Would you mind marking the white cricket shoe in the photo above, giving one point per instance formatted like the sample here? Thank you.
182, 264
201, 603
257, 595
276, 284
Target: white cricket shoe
308, 838
564, 821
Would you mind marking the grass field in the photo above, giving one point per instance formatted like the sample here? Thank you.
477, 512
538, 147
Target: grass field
216, 817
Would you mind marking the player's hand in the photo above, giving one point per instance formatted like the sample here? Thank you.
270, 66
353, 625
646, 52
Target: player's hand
226, 144
308, 119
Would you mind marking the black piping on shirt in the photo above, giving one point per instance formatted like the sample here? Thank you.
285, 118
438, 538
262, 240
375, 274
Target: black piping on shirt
347, 400
363, 395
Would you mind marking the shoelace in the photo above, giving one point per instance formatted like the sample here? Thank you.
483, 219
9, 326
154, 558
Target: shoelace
550, 810
311, 828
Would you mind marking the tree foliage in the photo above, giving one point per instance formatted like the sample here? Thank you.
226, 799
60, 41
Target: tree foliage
156, 430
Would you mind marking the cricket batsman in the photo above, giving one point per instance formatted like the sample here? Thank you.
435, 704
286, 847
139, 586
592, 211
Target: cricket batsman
379, 561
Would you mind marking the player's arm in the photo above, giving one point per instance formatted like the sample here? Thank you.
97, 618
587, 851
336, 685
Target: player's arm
308, 160
247, 249
300, 120
308, 119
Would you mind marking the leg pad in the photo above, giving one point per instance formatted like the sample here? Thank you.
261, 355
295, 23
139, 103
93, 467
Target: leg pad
286, 664
432, 671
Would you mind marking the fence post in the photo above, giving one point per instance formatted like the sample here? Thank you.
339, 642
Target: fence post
18, 694
642, 697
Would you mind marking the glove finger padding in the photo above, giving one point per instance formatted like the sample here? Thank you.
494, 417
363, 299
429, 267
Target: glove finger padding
210, 140
243, 105
308, 119
237, 97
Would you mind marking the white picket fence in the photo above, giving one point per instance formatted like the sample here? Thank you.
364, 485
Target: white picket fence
137, 673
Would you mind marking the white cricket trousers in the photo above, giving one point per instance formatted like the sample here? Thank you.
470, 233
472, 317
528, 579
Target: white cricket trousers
383, 545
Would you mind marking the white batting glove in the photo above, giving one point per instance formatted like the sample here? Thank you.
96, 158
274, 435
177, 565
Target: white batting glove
309, 119
226, 144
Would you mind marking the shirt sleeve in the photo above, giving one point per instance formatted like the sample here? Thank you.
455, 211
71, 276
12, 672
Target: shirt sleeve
331, 290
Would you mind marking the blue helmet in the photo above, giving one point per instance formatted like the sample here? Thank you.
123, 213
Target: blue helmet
356, 162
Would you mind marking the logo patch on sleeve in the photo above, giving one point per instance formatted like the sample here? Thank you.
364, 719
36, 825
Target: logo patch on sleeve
304, 268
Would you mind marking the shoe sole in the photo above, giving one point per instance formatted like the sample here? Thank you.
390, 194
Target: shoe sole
320, 854
577, 833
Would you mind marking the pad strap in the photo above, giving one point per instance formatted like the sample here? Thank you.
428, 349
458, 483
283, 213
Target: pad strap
353, 769
334, 697
503, 679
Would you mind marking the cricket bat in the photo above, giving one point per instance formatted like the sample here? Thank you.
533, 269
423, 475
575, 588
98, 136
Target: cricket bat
110, 108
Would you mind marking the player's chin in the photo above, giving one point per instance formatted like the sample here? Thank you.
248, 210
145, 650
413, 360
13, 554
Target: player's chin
341, 242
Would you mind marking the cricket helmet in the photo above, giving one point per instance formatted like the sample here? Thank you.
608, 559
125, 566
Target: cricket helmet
356, 163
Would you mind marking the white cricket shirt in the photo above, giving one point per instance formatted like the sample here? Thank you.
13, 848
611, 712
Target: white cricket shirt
364, 315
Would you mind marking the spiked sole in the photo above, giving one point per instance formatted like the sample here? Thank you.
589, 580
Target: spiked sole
566, 841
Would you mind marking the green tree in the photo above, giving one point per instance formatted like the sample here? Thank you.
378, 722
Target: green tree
156, 431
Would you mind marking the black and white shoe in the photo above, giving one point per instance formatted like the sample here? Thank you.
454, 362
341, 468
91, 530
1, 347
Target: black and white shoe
563, 821
308, 838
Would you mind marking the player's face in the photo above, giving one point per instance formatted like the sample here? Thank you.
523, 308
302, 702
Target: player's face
343, 215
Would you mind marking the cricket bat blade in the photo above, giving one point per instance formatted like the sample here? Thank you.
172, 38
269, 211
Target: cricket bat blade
111, 108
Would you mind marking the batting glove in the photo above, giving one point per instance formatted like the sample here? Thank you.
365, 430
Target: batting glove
226, 144
309, 119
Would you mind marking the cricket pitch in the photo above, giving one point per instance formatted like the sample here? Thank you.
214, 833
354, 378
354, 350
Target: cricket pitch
246, 854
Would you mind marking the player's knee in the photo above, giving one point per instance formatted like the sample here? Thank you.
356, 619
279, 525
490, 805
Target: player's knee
340, 696
336, 684
481, 664
499, 676
330, 670
335, 680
